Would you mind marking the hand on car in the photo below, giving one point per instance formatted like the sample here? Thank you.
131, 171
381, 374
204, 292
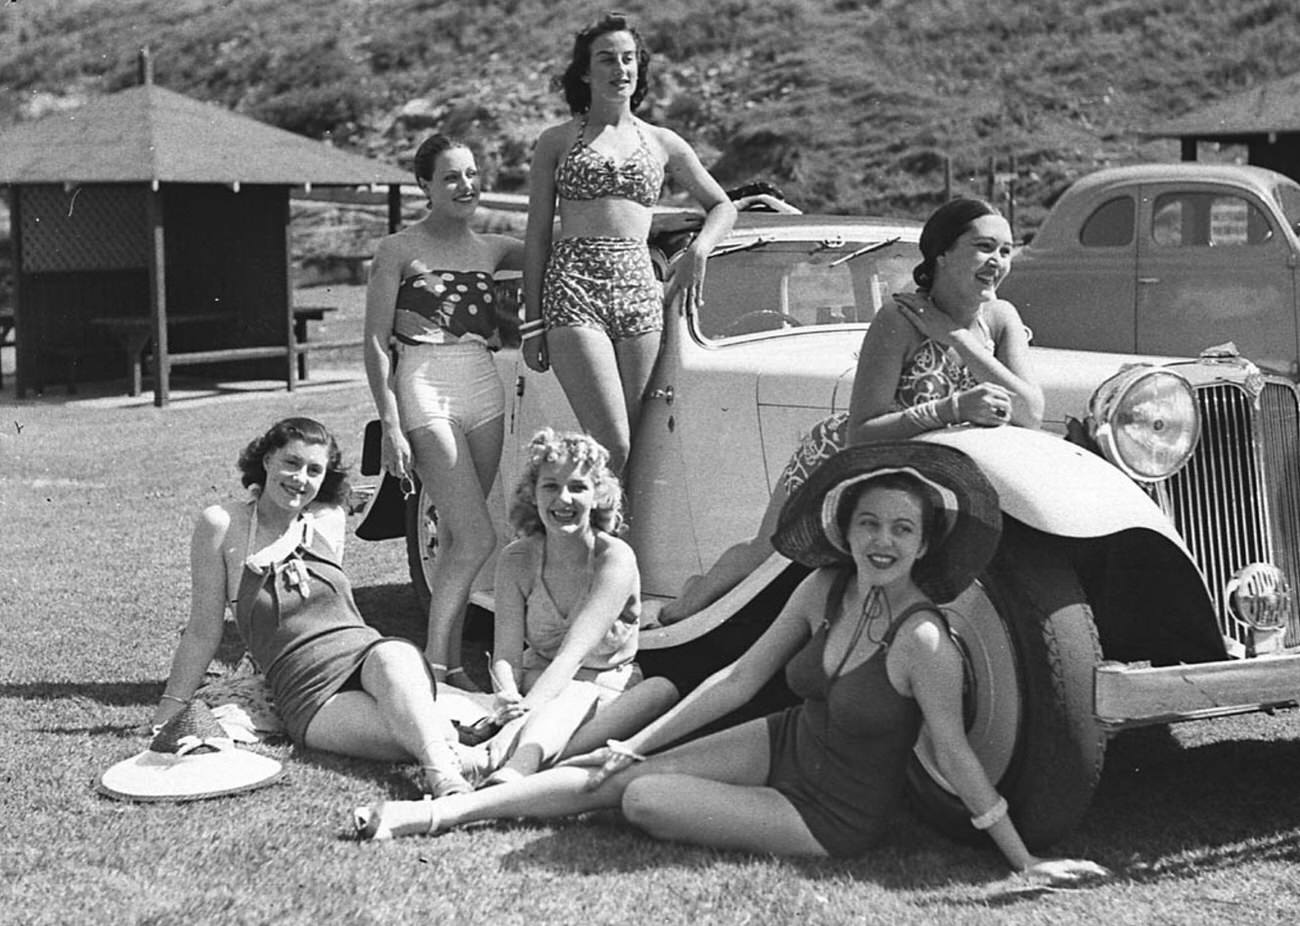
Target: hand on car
985, 404
535, 355
686, 278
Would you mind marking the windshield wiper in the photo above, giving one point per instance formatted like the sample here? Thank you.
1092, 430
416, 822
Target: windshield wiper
866, 249
758, 242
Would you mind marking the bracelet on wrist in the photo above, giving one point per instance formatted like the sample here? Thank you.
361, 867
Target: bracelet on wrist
168, 697
955, 408
533, 324
535, 333
991, 816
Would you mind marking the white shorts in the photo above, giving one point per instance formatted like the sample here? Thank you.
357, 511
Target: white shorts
447, 382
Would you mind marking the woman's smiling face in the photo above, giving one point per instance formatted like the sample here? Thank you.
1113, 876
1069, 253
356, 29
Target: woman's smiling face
979, 260
885, 534
565, 495
294, 474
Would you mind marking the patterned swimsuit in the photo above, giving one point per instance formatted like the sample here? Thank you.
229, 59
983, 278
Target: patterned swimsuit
605, 283
933, 372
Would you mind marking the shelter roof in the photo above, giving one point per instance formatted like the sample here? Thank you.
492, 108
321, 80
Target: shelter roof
1270, 107
148, 133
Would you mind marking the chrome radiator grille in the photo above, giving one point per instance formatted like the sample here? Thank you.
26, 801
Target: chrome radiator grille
1238, 499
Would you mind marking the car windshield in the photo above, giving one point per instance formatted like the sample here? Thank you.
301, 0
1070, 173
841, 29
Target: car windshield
756, 285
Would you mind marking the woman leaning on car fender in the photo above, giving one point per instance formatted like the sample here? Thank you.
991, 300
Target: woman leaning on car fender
952, 352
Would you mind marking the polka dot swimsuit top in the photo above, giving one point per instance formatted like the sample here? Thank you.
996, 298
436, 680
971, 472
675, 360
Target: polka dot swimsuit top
444, 306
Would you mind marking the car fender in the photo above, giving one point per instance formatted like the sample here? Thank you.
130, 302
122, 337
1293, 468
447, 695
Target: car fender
1059, 488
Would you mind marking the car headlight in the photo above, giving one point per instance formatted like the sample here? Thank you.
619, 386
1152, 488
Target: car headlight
1146, 422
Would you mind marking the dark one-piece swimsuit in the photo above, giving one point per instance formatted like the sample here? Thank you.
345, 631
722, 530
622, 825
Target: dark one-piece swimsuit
840, 756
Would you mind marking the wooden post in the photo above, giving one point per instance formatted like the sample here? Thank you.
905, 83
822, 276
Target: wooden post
162, 367
394, 207
22, 326
947, 177
1011, 197
1187, 148
993, 182
291, 342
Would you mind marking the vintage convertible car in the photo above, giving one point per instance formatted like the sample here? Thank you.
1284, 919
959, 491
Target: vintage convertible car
1168, 259
1143, 571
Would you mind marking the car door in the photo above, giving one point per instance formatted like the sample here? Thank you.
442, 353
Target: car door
1214, 266
1074, 284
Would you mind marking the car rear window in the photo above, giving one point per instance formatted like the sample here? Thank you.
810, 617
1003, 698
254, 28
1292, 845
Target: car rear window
797, 284
1110, 225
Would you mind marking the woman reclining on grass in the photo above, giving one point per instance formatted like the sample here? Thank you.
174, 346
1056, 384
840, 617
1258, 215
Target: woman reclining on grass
274, 560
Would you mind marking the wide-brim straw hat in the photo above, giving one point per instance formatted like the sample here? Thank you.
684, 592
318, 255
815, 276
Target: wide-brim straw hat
972, 520
189, 759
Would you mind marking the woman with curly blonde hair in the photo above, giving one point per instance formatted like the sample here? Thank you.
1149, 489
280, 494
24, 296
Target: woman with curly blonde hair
568, 607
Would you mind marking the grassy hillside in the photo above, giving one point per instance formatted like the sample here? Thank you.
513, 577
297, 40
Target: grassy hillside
847, 104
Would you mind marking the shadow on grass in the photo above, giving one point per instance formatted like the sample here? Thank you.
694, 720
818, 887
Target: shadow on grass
1163, 812
111, 694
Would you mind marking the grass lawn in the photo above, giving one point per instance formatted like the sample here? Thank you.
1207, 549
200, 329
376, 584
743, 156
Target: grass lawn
1201, 822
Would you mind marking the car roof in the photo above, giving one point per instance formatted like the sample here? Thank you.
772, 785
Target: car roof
1061, 228
1260, 179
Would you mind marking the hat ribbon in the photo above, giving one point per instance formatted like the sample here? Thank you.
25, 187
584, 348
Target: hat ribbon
187, 744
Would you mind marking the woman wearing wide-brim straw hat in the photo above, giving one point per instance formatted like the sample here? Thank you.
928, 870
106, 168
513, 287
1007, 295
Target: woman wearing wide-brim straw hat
861, 642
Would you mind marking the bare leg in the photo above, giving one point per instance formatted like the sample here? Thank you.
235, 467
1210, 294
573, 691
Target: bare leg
623, 716
636, 363
394, 718
452, 468
716, 783
735, 563
587, 367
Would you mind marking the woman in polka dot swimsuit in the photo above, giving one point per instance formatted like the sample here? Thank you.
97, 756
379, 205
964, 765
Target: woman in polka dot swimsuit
430, 320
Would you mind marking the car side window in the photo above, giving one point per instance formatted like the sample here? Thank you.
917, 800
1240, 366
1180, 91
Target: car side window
1184, 219
1110, 225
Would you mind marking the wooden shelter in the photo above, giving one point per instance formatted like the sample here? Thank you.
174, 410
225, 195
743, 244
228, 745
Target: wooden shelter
1266, 119
149, 217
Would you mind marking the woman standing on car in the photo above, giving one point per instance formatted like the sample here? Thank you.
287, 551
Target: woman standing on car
430, 306
594, 309
950, 354
888, 528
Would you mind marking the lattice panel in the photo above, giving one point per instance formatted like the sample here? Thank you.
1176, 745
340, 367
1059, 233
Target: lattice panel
92, 227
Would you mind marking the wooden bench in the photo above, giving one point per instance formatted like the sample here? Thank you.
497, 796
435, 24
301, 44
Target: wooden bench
302, 314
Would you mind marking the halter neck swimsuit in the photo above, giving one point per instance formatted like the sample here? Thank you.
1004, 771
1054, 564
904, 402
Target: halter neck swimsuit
296, 614
840, 757
586, 174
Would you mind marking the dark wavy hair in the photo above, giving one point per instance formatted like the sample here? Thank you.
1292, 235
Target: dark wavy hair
926, 498
948, 223
427, 154
334, 488
548, 446
577, 92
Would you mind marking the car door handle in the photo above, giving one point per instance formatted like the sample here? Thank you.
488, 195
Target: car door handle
1148, 279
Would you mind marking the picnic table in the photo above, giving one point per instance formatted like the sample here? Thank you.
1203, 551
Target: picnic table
133, 333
